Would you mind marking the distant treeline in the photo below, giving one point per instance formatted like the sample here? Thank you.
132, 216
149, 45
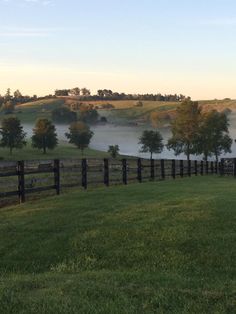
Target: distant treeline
106, 94
17, 98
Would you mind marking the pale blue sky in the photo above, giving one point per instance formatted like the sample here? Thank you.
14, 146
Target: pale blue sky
167, 46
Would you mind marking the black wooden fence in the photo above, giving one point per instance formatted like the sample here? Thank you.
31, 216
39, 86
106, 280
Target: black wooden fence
18, 179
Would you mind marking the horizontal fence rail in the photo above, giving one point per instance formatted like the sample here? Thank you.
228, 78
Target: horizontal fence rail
19, 179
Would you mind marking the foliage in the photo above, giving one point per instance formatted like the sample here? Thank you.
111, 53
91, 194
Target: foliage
185, 128
151, 142
8, 107
63, 115
213, 135
80, 135
12, 134
88, 114
45, 136
113, 150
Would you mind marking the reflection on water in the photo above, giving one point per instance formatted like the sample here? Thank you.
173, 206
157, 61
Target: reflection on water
127, 137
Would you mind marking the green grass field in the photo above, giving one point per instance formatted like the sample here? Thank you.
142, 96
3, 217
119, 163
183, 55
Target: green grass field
63, 151
166, 247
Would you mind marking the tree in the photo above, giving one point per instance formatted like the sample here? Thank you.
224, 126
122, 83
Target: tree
12, 134
8, 94
80, 135
88, 114
63, 115
45, 136
85, 92
213, 136
151, 142
8, 107
75, 91
113, 150
185, 128
17, 94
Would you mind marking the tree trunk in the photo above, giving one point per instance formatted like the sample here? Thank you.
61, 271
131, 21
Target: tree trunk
151, 155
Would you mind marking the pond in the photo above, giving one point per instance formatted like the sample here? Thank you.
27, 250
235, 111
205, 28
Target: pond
127, 137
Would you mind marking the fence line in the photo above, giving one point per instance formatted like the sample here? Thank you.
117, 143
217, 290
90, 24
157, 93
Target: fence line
59, 174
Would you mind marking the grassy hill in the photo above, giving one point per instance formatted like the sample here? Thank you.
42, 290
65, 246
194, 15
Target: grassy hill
166, 247
124, 111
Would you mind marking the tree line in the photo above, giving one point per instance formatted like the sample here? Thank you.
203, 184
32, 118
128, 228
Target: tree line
194, 132
12, 135
107, 94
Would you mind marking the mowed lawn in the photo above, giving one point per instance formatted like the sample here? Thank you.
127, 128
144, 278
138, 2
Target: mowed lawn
161, 247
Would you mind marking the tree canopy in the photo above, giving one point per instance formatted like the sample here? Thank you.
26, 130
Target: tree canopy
63, 115
213, 135
185, 128
12, 134
45, 136
113, 150
80, 135
152, 142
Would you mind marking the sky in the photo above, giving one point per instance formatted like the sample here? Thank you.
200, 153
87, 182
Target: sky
132, 46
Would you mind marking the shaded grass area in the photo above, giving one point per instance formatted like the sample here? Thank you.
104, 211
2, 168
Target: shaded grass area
166, 247
63, 151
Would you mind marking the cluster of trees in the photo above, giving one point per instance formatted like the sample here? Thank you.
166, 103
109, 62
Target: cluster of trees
193, 132
44, 137
10, 100
107, 94
86, 113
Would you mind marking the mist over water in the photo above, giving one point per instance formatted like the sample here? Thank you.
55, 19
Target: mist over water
127, 137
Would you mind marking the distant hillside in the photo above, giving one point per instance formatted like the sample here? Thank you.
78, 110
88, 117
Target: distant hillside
123, 111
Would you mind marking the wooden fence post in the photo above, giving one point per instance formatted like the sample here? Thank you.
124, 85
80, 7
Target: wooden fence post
181, 164
202, 168
222, 167
212, 167
84, 174
124, 171
139, 170
189, 168
207, 167
163, 175
106, 172
21, 180
152, 164
196, 167
57, 175
173, 168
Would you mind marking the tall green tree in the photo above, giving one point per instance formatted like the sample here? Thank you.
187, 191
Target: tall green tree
12, 134
80, 135
45, 136
213, 137
152, 142
185, 128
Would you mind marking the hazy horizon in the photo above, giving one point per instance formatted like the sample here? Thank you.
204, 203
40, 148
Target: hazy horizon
166, 47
